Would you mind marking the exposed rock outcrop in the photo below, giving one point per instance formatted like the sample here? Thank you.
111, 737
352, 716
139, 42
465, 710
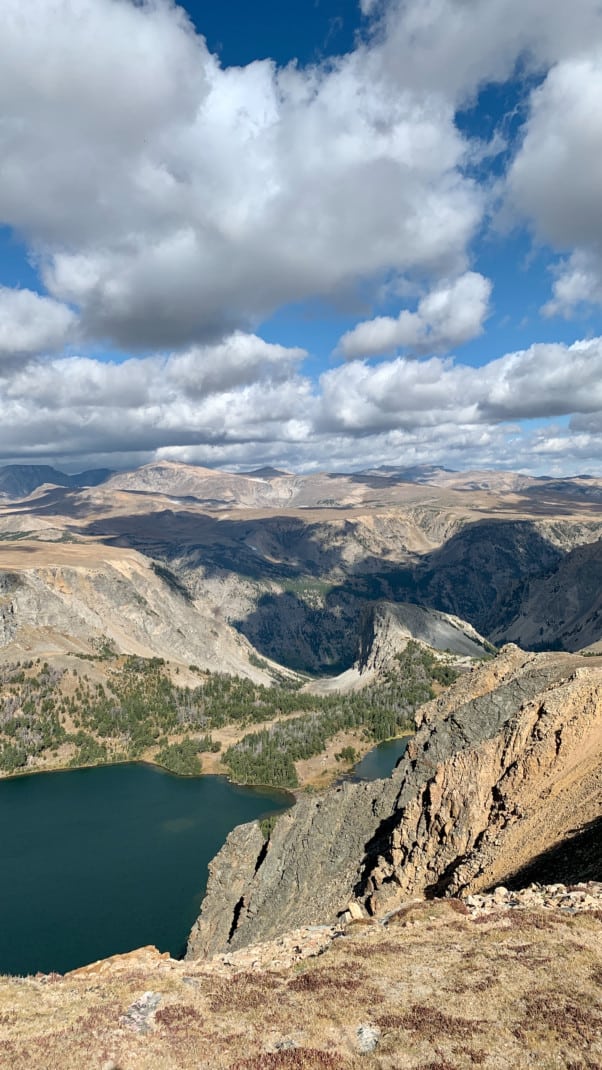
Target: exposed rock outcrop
73, 596
504, 765
389, 627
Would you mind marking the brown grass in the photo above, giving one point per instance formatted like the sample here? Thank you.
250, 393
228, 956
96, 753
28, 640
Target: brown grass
445, 993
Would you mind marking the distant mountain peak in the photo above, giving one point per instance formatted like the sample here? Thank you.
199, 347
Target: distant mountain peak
20, 480
267, 472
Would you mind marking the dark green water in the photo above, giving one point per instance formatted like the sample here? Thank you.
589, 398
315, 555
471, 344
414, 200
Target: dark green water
380, 762
100, 861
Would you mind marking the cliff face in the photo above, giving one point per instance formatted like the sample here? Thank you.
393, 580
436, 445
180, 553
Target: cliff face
504, 766
57, 598
562, 608
389, 627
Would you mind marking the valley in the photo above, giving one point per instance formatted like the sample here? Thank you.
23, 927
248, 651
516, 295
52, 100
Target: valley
273, 629
310, 586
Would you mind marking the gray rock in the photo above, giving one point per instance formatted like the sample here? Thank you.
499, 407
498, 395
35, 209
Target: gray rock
368, 1037
138, 1016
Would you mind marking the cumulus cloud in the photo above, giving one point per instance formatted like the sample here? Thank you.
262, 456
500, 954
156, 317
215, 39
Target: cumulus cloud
171, 205
243, 389
546, 380
556, 176
454, 46
449, 315
578, 282
239, 360
401, 411
181, 200
30, 324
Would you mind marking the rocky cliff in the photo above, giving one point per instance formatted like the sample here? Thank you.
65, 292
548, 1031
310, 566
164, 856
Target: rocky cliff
77, 597
505, 765
562, 608
388, 627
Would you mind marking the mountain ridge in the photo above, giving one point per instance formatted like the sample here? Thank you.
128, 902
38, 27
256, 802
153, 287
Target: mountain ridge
524, 730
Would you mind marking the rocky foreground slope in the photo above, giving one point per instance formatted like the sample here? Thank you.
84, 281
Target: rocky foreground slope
510, 984
506, 766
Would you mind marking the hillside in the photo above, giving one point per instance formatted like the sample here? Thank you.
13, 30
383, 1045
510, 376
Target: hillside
563, 607
266, 625
65, 597
511, 984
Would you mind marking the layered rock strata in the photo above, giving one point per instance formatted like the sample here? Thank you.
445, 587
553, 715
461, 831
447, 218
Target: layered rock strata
504, 766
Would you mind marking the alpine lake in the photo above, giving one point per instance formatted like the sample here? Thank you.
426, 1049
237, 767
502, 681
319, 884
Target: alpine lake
99, 861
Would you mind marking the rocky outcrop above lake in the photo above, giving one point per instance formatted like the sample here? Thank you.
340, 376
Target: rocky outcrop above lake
505, 767
390, 627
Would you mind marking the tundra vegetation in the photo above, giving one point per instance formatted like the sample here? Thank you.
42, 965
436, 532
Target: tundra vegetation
138, 711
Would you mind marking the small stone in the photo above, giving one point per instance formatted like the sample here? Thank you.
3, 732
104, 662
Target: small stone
500, 892
368, 1037
285, 1044
138, 1016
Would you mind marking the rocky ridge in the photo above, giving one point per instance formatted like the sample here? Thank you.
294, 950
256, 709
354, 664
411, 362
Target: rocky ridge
71, 597
294, 562
390, 626
505, 765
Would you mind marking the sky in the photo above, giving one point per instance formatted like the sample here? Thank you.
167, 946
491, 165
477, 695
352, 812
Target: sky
326, 234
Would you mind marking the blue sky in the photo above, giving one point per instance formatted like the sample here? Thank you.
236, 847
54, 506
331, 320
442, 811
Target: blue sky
301, 30
326, 234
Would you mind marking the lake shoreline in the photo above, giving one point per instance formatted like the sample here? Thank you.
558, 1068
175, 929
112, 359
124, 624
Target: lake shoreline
296, 792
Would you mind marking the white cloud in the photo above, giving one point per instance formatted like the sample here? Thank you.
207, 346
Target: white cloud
172, 205
181, 200
556, 177
253, 407
546, 380
401, 412
30, 324
241, 390
454, 46
578, 282
449, 315
239, 360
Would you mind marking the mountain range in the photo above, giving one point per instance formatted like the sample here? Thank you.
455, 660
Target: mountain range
414, 894
292, 566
